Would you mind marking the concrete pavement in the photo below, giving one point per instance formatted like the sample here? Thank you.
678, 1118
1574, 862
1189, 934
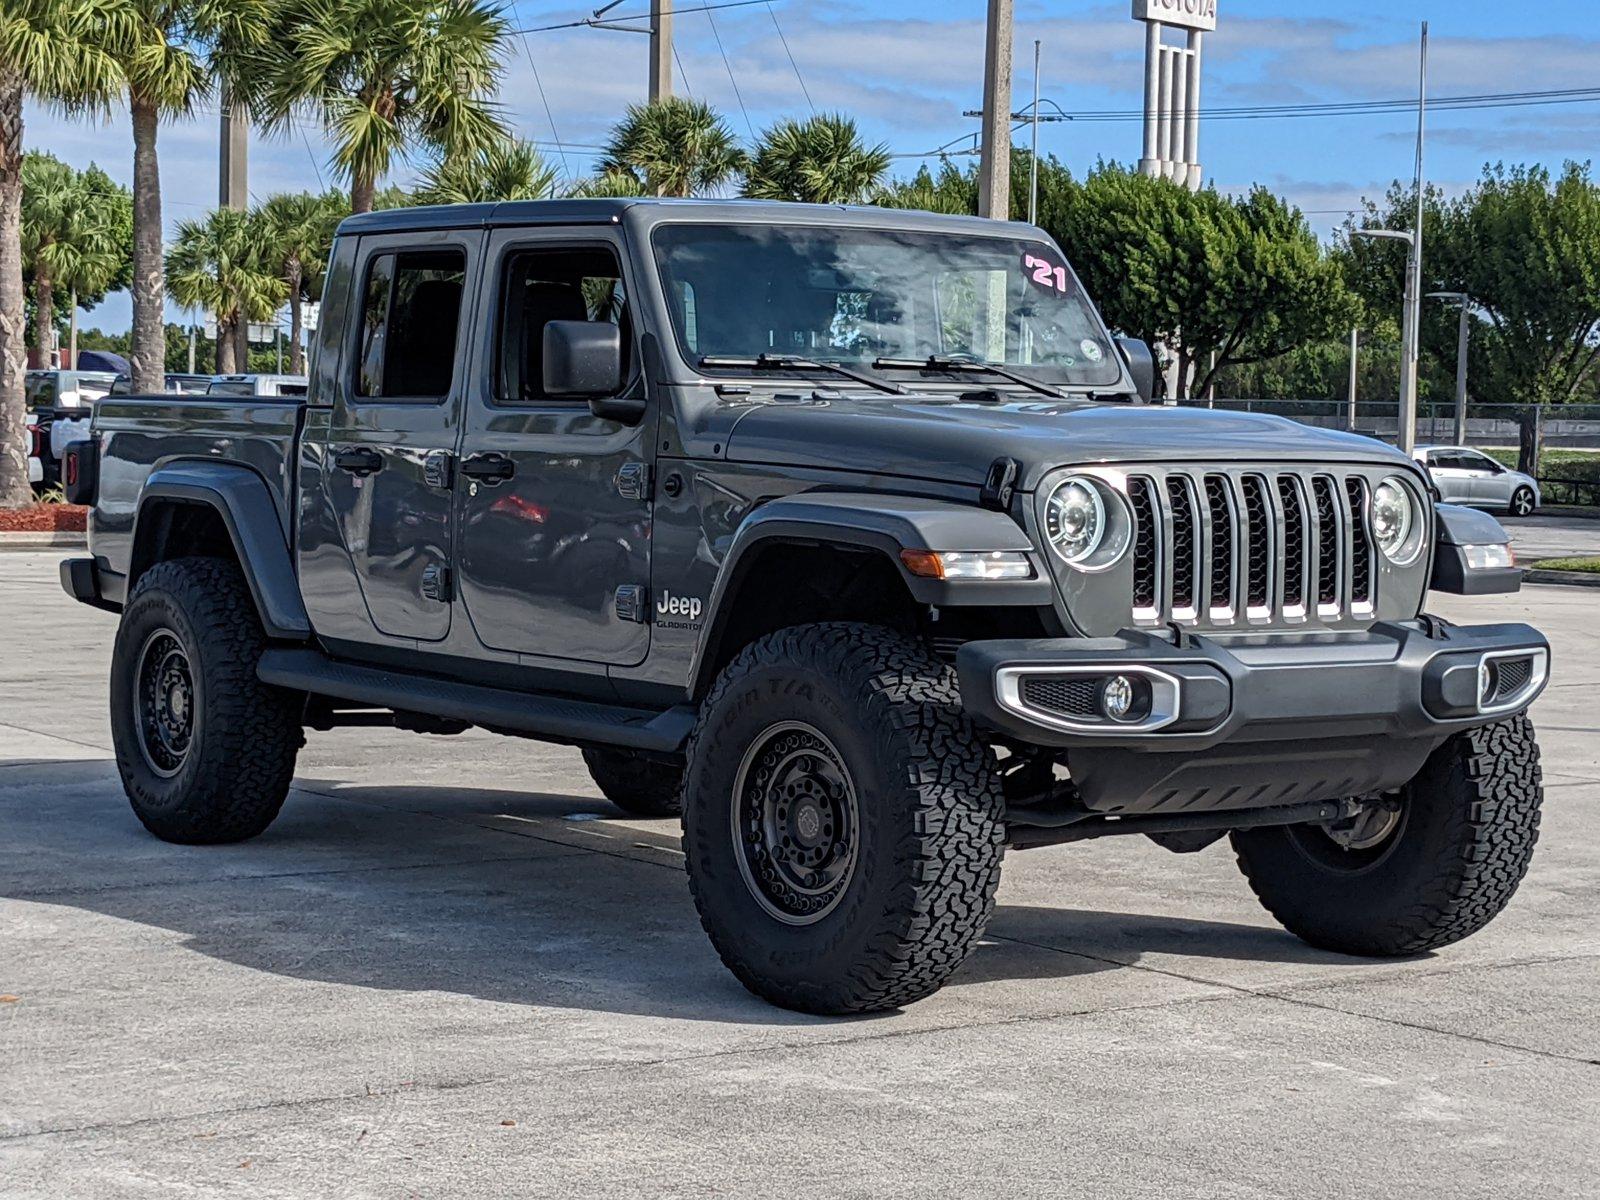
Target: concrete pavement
451, 969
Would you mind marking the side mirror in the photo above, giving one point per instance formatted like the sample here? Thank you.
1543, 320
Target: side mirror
583, 359
1141, 366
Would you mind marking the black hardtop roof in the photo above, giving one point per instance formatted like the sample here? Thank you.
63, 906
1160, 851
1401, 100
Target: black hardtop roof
605, 211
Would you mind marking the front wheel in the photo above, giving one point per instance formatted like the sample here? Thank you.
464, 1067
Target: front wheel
205, 749
1522, 502
1417, 870
842, 820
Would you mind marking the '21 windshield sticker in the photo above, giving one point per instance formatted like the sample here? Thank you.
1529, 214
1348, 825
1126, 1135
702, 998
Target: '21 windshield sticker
1046, 273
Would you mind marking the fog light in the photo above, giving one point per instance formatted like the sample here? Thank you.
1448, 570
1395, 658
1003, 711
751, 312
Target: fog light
1116, 697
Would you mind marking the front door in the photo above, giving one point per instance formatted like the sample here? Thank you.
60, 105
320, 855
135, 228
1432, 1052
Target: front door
385, 452
553, 523
1450, 476
1490, 483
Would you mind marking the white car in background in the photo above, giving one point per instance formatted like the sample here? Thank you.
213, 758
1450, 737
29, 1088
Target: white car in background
1467, 476
59, 405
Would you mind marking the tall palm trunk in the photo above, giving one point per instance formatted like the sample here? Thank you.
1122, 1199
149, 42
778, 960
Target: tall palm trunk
14, 487
227, 346
44, 314
149, 349
297, 355
241, 345
362, 190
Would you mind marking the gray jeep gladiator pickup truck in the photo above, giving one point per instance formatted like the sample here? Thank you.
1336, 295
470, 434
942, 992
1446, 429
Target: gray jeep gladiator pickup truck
850, 536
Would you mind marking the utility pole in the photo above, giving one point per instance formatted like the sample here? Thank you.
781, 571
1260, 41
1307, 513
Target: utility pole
1355, 335
994, 163
233, 187
1033, 154
660, 50
1413, 313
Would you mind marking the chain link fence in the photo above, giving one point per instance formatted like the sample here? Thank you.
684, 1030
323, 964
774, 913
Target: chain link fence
1567, 426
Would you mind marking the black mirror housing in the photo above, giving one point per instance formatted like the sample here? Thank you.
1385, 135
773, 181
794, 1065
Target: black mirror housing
582, 359
1141, 366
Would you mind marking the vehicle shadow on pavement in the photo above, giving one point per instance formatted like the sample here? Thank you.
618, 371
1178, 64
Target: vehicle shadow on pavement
409, 889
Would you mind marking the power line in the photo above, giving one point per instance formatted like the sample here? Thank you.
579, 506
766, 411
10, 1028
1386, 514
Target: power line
805, 91
1461, 103
539, 83
611, 21
736, 94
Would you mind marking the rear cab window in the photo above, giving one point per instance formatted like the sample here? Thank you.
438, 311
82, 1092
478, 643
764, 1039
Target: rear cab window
410, 316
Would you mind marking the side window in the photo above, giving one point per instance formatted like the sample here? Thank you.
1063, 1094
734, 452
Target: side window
540, 286
410, 312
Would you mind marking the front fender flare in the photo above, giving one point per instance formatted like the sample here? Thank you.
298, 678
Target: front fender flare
241, 498
884, 524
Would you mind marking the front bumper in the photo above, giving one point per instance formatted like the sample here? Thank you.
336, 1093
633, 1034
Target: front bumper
1253, 720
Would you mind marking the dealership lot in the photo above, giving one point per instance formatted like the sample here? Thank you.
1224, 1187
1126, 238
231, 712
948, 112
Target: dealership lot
452, 969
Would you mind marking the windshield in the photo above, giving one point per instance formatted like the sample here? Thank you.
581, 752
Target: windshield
860, 295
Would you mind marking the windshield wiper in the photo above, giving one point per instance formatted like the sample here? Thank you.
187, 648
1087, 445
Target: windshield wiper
790, 362
938, 362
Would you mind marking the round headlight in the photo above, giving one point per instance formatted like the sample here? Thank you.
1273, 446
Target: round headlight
1075, 519
1393, 518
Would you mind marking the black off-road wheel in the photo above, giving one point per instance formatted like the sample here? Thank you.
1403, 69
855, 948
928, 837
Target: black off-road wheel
843, 822
1434, 865
206, 751
639, 786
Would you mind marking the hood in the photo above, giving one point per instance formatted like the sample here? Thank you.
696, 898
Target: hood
955, 440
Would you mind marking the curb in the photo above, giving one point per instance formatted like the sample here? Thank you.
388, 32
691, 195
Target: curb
1567, 578
52, 539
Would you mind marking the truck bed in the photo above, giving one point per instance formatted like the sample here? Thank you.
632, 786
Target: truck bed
139, 434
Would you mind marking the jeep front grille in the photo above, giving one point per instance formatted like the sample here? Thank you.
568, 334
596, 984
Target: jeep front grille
1247, 547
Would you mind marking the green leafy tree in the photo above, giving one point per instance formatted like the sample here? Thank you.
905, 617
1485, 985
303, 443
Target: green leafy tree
74, 237
170, 52
614, 183
674, 147
510, 169
49, 51
386, 78
821, 160
298, 229
225, 265
951, 190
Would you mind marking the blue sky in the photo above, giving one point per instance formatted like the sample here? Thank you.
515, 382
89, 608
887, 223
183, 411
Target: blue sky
906, 69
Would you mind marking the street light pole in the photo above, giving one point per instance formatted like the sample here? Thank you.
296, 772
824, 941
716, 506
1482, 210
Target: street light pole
1033, 154
1463, 330
1354, 346
1406, 436
1408, 374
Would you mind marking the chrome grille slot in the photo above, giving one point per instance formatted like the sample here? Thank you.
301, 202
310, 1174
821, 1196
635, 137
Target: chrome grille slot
1330, 540
1146, 539
1294, 546
1360, 544
1215, 546
1223, 544
1258, 548
1185, 547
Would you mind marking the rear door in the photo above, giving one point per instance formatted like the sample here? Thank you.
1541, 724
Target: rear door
554, 506
377, 460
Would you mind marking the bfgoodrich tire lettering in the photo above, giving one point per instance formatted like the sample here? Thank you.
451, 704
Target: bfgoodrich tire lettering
1468, 827
921, 885
225, 778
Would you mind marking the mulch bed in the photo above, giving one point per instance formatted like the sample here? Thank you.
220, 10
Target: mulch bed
45, 518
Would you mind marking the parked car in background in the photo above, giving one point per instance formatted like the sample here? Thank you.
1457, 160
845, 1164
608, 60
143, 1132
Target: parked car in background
59, 404
1467, 476
174, 382
258, 385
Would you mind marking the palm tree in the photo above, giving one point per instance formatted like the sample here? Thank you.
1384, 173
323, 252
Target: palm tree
821, 160
224, 264
71, 238
49, 51
386, 78
510, 169
674, 147
170, 51
298, 228
607, 183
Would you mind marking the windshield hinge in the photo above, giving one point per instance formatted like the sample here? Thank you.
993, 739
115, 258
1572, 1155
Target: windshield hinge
1000, 484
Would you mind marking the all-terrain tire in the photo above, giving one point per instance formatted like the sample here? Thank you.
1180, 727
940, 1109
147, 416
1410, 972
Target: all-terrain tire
637, 785
929, 836
1522, 502
1469, 821
232, 777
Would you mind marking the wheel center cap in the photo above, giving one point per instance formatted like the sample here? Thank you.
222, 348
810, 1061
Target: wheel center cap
807, 824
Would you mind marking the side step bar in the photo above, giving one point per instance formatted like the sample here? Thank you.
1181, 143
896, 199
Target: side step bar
552, 719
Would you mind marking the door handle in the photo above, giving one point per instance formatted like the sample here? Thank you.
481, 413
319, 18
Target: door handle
489, 468
358, 460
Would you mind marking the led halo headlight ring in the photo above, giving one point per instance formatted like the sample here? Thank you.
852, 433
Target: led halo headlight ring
1394, 520
1075, 518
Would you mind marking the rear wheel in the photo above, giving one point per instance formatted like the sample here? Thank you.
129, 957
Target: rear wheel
639, 786
1419, 870
843, 821
206, 750
1522, 502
